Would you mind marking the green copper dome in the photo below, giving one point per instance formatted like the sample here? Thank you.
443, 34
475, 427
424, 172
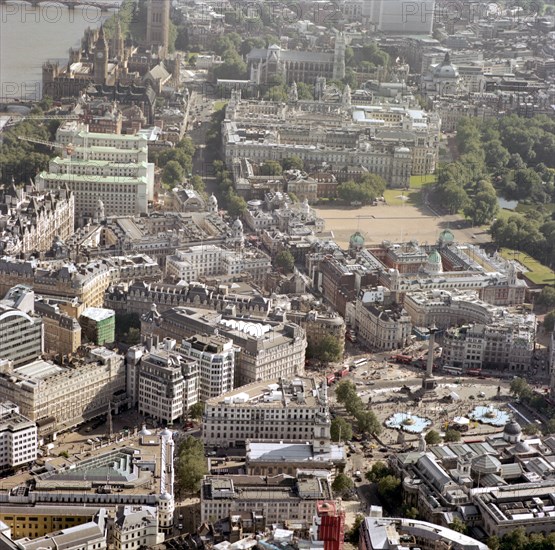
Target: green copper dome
356, 239
446, 236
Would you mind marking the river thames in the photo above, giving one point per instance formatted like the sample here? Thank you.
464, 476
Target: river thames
31, 35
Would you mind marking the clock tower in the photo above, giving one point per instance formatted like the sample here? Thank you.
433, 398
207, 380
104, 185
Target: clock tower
157, 26
101, 58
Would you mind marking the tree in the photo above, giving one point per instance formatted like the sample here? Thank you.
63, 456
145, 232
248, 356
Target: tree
410, 512
197, 410
187, 146
173, 173
365, 191
355, 407
497, 156
197, 183
236, 205
277, 93
433, 438
368, 422
340, 430
458, 525
345, 391
389, 488
453, 196
520, 388
292, 163
483, 208
271, 168
378, 471
493, 542
190, 465
304, 91
530, 429
515, 540
285, 261
341, 484
353, 534
328, 349
550, 426
452, 436
547, 297
549, 321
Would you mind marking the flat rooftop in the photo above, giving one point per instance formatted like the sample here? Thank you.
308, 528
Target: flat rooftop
271, 393
292, 452
39, 369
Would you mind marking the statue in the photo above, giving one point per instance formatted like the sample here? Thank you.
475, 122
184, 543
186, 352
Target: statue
422, 443
100, 213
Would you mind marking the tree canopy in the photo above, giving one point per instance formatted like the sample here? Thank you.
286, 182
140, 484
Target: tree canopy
452, 436
367, 421
365, 191
520, 388
285, 260
197, 410
341, 484
340, 430
327, 350
173, 173
190, 465
511, 157
432, 437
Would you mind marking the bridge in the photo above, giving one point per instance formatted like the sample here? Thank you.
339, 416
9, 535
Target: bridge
72, 4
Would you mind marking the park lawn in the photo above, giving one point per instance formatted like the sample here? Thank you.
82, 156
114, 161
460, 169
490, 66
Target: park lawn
219, 105
523, 208
504, 214
417, 182
393, 196
538, 273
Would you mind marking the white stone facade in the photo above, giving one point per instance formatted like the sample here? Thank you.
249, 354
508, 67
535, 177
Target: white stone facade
112, 168
18, 437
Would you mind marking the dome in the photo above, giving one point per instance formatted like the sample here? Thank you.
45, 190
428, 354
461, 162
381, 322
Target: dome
445, 69
165, 496
145, 431
522, 447
446, 236
165, 433
238, 225
356, 239
512, 428
434, 257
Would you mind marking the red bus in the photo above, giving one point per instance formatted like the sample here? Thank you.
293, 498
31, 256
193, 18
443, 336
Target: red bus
474, 372
330, 378
342, 373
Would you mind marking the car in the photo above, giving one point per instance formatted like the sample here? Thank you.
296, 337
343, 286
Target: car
357, 473
180, 516
211, 453
180, 526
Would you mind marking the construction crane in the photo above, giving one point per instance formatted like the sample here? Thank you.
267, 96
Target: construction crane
20, 118
69, 148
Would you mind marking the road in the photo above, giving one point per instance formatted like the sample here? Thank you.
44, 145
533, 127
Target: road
201, 109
